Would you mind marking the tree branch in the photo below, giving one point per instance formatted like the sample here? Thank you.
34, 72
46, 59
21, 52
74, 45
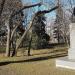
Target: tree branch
25, 7
46, 11
31, 23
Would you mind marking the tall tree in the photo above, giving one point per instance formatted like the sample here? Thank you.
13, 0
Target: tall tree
38, 30
31, 23
59, 23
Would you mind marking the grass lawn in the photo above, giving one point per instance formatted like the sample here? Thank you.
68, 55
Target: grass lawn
41, 62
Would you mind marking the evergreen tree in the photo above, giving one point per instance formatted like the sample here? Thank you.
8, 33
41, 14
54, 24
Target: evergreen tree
39, 37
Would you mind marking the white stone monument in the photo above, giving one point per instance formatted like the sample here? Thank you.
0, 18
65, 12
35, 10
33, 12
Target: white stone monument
69, 61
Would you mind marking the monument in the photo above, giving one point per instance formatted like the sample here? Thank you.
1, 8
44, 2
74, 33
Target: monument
69, 61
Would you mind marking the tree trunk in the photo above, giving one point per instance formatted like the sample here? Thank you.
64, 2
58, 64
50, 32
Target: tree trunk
8, 39
14, 31
23, 36
14, 49
29, 45
14, 45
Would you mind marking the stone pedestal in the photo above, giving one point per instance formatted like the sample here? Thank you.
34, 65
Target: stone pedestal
69, 61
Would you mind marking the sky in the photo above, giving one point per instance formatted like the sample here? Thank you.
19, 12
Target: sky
50, 15
49, 4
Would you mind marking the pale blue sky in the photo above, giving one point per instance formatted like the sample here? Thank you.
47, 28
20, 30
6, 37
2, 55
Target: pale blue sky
43, 7
50, 15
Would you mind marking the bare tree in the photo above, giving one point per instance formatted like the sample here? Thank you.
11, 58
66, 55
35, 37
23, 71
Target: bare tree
30, 26
16, 26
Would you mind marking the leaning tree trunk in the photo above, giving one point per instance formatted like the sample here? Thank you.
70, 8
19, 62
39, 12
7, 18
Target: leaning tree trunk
13, 41
23, 36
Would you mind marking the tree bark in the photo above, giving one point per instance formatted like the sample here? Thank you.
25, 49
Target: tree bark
14, 46
8, 39
21, 39
30, 41
29, 46
14, 31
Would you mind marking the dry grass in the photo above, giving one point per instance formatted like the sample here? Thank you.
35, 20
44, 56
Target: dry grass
42, 62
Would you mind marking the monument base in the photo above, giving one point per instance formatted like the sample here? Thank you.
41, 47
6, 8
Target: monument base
65, 62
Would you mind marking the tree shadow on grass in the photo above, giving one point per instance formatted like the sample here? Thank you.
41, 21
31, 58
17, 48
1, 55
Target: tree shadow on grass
34, 59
